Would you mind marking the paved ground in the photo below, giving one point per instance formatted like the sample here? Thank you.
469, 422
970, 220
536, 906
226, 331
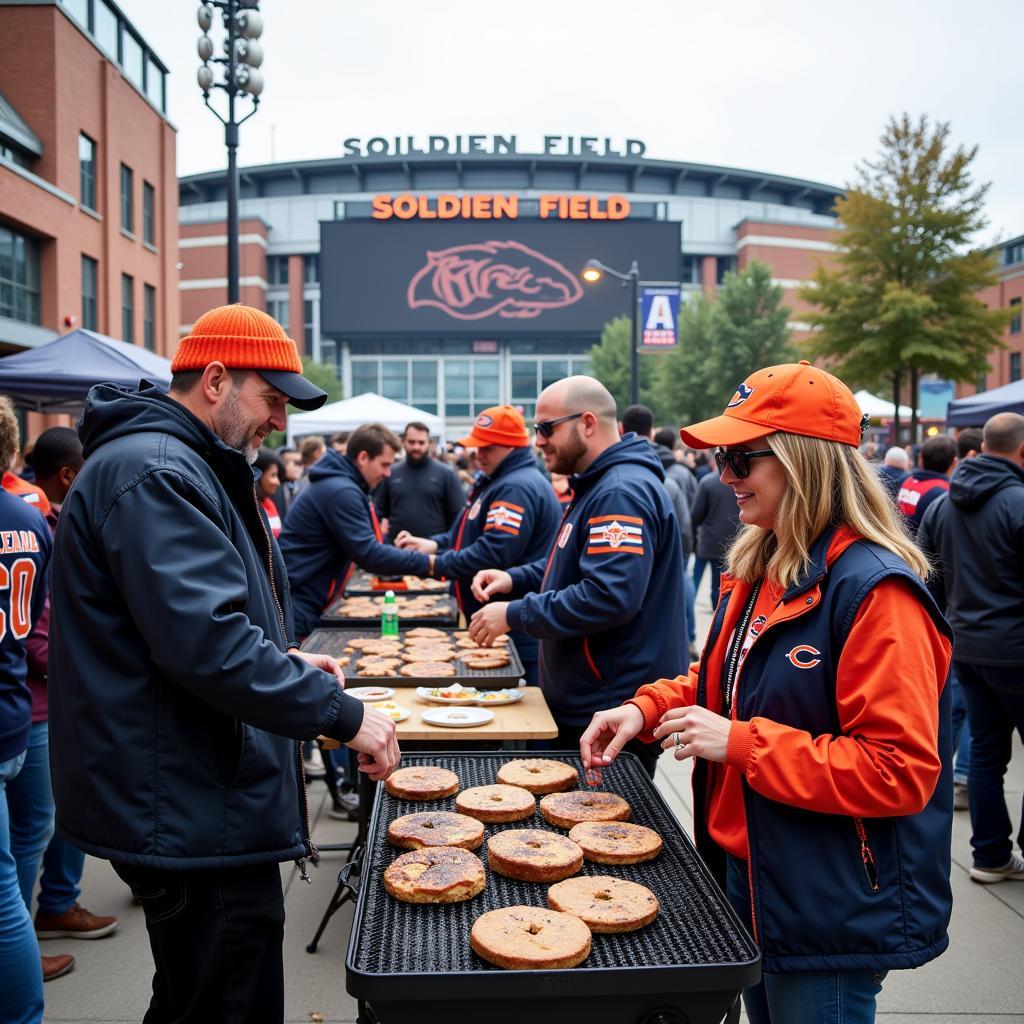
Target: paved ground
979, 980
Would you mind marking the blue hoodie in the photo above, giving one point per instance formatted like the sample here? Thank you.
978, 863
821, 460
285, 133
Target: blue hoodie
608, 607
330, 528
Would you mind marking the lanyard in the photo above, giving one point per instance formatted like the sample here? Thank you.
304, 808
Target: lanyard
732, 665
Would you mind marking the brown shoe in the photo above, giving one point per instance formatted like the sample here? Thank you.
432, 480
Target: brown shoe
76, 923
55, 966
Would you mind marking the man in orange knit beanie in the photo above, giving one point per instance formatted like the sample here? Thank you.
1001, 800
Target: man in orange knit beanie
175, 676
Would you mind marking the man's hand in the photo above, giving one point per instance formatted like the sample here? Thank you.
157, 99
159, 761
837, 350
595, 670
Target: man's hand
324, 662
488, 582
489, 623
608, 732
701, 733
377, 744
423, 545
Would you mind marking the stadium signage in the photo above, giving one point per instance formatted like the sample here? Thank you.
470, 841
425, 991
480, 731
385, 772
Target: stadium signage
494, 206
492, 145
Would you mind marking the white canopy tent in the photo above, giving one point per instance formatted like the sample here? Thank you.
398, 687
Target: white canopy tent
354, 412
878, 408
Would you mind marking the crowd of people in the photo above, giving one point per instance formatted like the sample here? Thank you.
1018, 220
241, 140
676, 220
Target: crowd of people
155, 592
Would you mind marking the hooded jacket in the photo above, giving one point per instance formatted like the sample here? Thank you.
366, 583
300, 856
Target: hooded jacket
331, 528
609, 603
976, 535
174, 709
679, 495
716, 517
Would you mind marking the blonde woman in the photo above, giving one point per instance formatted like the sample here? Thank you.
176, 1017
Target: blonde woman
818, 715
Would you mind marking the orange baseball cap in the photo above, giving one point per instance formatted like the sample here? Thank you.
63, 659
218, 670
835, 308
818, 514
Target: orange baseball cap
501, 424
792, 398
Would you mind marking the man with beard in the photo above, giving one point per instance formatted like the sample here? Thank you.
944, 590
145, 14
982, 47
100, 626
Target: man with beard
177, 690
607, 603
422, 496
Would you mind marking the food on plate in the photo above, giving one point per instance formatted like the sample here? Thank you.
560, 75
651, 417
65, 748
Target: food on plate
427, 669
616, 842
530, 938
538, 775
436, 828
498, 696
389, 707
568, 809
455, 692
605, 904
496, 803
533, 855
423, 782
372, 693
440, 874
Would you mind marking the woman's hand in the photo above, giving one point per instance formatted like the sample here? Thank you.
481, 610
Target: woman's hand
701, 733
608, 732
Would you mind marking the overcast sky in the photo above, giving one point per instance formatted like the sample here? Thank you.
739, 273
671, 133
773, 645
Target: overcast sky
795, 87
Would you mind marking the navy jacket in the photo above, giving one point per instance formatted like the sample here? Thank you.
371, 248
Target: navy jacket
976, 534
510, 519
25, 548
174, 710
609, 612
330, 529
422, 497
814, 902
716, 517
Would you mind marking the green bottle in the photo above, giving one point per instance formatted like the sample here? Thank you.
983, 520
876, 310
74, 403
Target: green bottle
389, 615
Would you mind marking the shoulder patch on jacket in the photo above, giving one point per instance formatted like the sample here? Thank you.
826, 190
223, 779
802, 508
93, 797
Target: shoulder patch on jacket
614, 534
504, 516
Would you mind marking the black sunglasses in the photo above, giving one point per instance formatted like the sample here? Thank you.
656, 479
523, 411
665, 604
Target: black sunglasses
547, 427
738, 461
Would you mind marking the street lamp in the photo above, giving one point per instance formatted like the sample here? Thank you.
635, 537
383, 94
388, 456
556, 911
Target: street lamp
592, 272
243, 25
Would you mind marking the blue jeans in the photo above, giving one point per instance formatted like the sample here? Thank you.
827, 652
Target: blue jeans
803, 997
995, 707
961, 732
63, 865
30, 800
690, 603
21, 974
717, 567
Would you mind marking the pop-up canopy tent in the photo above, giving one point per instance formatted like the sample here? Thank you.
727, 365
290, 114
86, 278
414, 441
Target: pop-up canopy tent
353, 412
974, 410
878, 408
57, 376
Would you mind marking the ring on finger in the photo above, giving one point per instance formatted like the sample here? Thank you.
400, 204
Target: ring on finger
677, 740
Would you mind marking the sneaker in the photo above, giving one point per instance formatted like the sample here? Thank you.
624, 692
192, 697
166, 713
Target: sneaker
76, 923
347, 808
314, 765
960, 796
55, 966
1013, 869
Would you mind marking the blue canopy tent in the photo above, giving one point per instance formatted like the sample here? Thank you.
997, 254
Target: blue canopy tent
56, 377
974, 410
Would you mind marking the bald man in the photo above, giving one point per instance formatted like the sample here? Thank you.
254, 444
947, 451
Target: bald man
607, 603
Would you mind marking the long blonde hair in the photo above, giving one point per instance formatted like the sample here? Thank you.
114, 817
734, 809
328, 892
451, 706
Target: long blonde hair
827, 484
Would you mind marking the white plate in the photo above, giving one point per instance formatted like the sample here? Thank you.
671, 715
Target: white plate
394, 711
497, 698
468, 695
371, 693
457, 718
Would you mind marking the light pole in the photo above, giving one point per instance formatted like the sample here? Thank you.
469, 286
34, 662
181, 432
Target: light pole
592, 273
243, 25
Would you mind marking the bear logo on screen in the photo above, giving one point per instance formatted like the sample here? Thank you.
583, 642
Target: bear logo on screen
507, 279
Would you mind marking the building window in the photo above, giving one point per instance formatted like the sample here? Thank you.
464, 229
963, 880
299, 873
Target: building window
107, 30
531, 376
16, 156
90, 292
127, 308
1015, 253
87, 170
127, 198
470, 386
277, 270
309, 325
19, 277
981, 384
149, 317
155, 85
131, 59
691, 270
1015, 316
278, 309
365, 376
311, 268
1014, 366
79, 10
724, 265
413, 381
148, 213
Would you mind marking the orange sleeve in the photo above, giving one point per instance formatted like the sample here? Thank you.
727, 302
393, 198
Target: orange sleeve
655, 699
885, 762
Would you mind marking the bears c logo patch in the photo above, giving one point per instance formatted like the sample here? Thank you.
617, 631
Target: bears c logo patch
804, 656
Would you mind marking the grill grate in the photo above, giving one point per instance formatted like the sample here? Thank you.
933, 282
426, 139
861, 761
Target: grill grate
695, 933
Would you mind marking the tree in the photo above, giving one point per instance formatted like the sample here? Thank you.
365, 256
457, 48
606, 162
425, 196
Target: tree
325, 378
901, 299
609, 363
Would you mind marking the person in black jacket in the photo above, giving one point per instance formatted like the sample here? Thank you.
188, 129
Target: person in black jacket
976, 533
177, 691
716, 519
333, 526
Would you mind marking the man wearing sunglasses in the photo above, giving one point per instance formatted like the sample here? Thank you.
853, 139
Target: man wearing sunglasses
606, 603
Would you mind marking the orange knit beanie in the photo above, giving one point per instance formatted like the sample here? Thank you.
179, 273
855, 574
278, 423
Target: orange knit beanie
240, 337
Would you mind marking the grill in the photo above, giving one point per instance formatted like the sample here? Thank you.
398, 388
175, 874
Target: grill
362, 583
334, 641
447, 613
409, 962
